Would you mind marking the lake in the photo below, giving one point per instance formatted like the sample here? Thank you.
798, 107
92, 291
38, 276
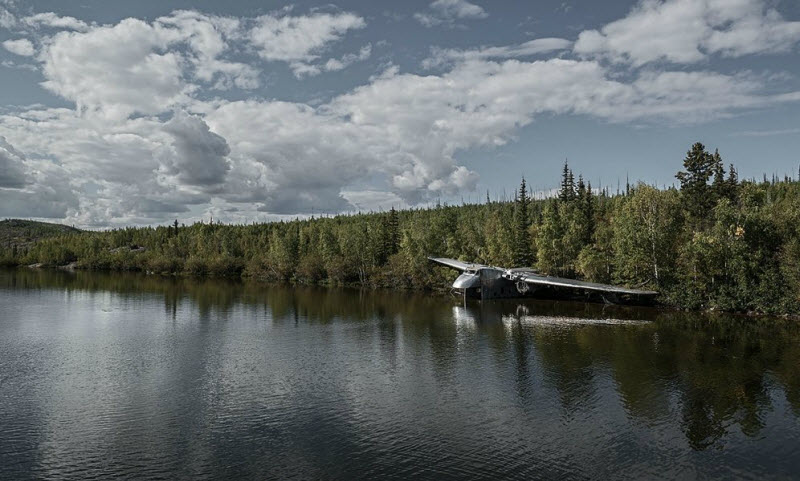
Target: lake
122, 375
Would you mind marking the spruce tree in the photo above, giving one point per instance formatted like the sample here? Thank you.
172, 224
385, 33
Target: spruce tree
522, 241
394, 232
567, 192
384, 245
733, 183
719, 186
585, 201
699, 166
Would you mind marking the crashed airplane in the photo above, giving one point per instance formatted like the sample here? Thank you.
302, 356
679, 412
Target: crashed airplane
480, 281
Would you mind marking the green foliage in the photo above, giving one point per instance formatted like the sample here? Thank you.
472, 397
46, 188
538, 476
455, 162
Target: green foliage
645, 229
696, 193
718, 243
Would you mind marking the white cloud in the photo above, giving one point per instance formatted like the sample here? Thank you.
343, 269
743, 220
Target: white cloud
32, 188
21, 66
537, 46
47, 197
332, 64
53, 20
281, 37
374, 200
199, 155
139, 67
348, 59
687, 31
116, 70
12, 171
448, 11
22, 47
7, 19
208, 38
400, 133
285, 158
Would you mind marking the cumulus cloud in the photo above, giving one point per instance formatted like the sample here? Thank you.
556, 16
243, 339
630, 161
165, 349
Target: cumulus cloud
687, 31
448, 11
140, 67
537, 46
22, 47
12, 172
199, 155
43, 192
299, 167
122, 156
208, 38
117, 70
299, 40
287, 157
47, 198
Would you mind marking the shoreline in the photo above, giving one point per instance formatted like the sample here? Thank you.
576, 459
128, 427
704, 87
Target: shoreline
441, 290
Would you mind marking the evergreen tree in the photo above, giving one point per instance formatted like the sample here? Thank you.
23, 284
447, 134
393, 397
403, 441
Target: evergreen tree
567, 192
733, 184
586, 206
581, 190
550, 240
699, 166
522, 239
384, 245
719, 186
394, 232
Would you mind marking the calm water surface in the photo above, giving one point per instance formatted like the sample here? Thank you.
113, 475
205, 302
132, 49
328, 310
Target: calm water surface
133, 376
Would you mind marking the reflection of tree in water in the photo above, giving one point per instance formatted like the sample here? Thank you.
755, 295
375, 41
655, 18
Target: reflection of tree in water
568, 365
521, 344
721, 367
723, 370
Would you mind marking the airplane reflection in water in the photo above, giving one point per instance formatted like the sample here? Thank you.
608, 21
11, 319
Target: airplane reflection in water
514, 311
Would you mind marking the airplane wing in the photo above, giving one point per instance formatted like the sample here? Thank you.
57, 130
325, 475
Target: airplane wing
538, 279
458, 265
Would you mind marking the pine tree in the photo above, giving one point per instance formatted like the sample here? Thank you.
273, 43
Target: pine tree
522, 240
176, 227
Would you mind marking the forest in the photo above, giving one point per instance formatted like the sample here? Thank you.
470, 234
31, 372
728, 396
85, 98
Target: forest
714, 242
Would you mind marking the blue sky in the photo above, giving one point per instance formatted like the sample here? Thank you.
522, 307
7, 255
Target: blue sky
119, 113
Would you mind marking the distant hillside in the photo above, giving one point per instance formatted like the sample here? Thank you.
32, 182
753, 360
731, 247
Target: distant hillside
18, 232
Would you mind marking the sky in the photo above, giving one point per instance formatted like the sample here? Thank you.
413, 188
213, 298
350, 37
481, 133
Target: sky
120, 113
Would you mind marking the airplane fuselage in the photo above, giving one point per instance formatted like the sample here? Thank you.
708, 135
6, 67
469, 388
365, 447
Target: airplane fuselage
488, 282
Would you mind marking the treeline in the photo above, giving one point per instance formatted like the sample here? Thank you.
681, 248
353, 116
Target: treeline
715, 243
